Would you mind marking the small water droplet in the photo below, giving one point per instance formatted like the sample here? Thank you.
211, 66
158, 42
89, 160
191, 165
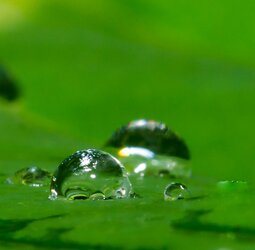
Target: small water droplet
32, 176
175, 191
90, 174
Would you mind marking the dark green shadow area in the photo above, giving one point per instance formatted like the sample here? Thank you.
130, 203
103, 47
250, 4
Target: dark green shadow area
8, 227
9, 89
51, 240
193, 223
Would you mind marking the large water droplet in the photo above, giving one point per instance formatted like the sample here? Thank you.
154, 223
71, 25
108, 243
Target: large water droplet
148, 147
152, 135
175, 191
90, 174
32, 176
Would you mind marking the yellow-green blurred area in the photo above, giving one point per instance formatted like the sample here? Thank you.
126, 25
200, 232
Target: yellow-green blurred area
85, 68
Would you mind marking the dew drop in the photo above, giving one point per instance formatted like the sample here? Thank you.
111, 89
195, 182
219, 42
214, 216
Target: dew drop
32, 176
151, 135
90, 174
175, 191
147, 147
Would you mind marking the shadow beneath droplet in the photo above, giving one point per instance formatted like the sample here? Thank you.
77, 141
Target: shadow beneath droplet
8, 227
53, 239
192, 222
200, 197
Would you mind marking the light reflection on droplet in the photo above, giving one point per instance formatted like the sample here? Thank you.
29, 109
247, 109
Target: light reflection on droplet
147, 147
151, 135
175, 191
93, 176
140, 168
129, 151
90, 174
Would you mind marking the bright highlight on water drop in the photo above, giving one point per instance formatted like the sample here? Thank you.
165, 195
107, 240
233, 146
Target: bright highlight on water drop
90, 174
148, 147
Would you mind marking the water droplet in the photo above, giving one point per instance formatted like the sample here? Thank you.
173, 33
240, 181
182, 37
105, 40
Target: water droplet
32, 176
90, 174
175, 191
150, 135
148, 147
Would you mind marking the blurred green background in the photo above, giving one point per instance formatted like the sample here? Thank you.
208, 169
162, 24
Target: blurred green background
85, 68
88, 67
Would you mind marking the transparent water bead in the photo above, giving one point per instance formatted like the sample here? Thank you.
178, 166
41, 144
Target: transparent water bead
154, 165
32, 176
175, 191
152, 135
148, 147
90, 174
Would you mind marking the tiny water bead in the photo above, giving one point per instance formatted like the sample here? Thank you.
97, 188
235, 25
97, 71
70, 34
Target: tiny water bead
90, 174
148, 147
175, 191
32, 176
